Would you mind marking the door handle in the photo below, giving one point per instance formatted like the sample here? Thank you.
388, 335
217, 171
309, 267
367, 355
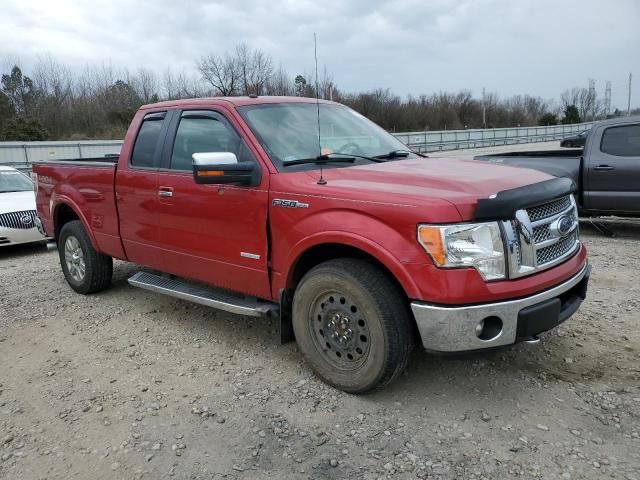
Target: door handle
602, 168
165, 192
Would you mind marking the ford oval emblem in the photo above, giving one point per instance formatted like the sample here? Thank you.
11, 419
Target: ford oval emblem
563, 226
26, 220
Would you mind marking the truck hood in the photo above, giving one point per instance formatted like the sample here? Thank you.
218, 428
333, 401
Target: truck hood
412, 181
17, 201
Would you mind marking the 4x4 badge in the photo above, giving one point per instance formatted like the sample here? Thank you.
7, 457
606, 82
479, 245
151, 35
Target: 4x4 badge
279, 202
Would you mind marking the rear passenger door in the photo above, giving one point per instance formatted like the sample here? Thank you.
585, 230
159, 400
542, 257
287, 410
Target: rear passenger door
216, 234
137, 192
613, 169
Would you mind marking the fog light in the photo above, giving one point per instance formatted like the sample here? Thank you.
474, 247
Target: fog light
489, 328
479, 328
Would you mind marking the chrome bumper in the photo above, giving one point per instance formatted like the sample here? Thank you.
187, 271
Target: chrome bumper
454, 329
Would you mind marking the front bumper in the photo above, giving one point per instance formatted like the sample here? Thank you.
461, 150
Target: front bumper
10, 236
457, 329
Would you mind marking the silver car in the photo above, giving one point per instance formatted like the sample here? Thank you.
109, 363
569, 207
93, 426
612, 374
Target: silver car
17, 208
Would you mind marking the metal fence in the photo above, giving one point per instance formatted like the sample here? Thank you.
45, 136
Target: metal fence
22, 154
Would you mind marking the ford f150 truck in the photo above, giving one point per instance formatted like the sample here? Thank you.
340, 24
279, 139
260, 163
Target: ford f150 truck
310, 213
606, 172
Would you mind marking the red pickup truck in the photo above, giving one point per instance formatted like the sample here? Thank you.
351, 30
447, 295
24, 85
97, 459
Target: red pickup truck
308, 212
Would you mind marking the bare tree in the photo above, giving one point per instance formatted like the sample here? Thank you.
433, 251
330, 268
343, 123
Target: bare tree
589, 107
279, 83
146, 85
222, 72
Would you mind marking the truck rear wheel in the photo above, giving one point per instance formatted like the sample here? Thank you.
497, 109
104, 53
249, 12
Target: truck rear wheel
85, 269
352, 325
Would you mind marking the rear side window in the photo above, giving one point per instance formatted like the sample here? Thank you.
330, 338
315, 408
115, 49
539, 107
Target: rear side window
621, 141
200, 132
147, 141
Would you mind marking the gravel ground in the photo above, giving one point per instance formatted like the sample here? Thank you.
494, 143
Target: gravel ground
129, 384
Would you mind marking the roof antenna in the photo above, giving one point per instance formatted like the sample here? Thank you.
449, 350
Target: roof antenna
321, 181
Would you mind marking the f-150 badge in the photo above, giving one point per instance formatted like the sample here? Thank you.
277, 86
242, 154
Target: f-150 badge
279, 202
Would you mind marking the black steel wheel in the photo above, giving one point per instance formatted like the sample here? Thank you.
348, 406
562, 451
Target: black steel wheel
339, 330
352, 325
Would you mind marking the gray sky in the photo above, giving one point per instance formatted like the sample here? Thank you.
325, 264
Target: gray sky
539, 47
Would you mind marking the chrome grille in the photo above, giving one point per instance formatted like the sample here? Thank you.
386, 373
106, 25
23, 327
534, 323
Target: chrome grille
549, 209
24, 220
533, 239
541, 233
550, 253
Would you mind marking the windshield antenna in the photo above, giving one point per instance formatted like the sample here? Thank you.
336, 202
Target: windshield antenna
321, 181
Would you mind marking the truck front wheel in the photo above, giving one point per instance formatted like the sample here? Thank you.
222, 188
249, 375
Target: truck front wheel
352, 325
85, 269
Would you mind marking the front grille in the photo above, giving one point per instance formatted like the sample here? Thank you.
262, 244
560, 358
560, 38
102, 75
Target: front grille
552, 252
549, 209
24, 220
533, 248
541, 233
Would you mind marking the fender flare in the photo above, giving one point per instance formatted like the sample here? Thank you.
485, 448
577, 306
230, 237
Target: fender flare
368, 246
63, 200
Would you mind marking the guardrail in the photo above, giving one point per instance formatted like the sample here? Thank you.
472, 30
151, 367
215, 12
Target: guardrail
477, 138
22, 154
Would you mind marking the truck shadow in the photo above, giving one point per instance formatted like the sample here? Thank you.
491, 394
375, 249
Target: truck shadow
608, 227
23, 250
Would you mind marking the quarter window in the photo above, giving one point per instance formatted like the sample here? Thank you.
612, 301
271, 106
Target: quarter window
621, 141
205, 132
144, 149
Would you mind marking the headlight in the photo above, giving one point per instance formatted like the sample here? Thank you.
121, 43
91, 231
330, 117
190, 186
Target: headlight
477, 245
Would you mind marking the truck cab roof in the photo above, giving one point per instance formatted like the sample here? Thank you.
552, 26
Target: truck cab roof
233, 101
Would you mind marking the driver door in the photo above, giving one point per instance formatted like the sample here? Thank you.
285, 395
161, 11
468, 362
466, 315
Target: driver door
215, 234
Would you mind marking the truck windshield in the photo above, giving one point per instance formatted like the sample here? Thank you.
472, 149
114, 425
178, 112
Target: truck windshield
11, 181
289, 132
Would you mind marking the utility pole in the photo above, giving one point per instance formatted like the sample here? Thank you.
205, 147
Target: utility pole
629, 97
591, 107
607, 100
484, 110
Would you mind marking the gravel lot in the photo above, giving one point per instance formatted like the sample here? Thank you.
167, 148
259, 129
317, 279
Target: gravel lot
129, 384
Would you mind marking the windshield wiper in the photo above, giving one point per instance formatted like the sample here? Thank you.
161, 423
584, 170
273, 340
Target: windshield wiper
397, 154
329, 157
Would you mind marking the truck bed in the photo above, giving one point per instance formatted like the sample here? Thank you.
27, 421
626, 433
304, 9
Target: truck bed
88, 185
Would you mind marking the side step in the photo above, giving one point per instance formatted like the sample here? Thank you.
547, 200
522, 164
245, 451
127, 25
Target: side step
220, 299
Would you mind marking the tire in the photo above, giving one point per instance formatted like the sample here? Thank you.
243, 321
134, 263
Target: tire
369, 342
85, 269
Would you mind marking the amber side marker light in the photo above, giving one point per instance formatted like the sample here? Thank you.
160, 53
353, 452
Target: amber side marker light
210, 173
431, 240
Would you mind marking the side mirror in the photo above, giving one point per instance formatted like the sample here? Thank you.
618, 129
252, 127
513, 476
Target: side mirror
224, 168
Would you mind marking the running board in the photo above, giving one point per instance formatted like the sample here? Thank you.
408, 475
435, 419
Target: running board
220, 299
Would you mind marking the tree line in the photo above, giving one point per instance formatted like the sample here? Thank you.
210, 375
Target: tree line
55, 102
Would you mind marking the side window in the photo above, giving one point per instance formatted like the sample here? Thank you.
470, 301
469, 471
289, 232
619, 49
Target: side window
200, 132
147, 140
621, 141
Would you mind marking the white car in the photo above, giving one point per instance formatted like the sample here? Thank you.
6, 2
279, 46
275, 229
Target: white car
17, 208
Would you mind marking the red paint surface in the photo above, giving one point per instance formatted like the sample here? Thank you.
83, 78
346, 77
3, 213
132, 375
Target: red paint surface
201, 231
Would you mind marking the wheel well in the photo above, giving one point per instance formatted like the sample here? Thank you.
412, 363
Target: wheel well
329, 251
64, 214
315, 256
